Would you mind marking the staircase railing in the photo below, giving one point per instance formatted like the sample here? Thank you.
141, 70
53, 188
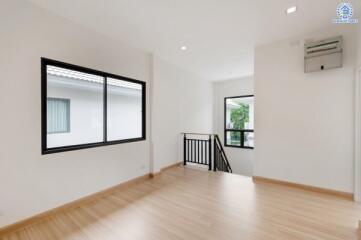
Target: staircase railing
221, 162
197, 149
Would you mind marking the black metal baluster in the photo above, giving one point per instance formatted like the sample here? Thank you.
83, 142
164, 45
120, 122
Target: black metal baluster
191, 153
214, 155
206, 151
218, 163
215, 161
202, 152
188, 150
194, 152
210, 153
222, 161
184, 149
198, 160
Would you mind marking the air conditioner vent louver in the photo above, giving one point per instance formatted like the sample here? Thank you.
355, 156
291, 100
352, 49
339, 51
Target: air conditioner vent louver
324, 54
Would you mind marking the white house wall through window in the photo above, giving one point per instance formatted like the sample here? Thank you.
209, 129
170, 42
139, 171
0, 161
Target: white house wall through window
124, 110
239, 121
85, 92
86, 109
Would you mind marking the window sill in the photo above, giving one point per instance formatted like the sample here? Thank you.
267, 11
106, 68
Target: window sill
230, 146
46, 151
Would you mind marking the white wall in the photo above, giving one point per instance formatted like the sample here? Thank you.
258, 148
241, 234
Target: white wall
241, 160
358, 118
305, 122
359, 44
31, 183
182, 102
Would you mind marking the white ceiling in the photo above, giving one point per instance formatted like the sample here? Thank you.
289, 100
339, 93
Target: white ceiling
220, 34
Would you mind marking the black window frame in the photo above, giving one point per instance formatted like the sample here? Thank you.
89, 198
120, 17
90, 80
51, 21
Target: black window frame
44, 149
241, 131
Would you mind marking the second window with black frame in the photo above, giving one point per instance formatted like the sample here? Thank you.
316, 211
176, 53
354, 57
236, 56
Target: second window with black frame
239, 121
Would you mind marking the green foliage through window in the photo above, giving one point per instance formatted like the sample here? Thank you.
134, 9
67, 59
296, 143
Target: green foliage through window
240, 116
235, 138
239, 122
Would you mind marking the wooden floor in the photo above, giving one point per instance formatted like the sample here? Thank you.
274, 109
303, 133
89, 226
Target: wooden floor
184, 203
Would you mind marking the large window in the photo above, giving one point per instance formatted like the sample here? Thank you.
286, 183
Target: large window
84, 108
238, 121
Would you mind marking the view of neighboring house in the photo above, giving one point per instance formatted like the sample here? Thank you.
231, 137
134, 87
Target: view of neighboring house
75, 108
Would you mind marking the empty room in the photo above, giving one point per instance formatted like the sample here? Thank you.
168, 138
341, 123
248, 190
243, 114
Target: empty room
160, 120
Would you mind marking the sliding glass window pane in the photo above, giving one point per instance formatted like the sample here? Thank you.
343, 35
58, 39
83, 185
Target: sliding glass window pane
249, 139
239, 113
79, 118
124, 111
233, 138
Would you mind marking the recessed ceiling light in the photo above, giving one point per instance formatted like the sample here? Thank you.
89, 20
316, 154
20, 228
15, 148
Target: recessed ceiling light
184, 48
292, 9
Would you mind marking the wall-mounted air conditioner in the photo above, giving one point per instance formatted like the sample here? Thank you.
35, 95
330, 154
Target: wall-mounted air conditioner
323, 55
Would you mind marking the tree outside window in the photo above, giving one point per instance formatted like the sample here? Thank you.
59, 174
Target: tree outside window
239, 119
